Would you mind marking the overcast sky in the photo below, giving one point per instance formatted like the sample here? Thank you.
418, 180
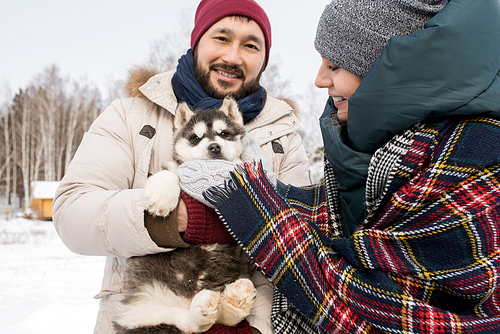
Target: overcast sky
103, 38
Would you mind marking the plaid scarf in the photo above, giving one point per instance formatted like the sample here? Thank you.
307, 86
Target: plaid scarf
426, 259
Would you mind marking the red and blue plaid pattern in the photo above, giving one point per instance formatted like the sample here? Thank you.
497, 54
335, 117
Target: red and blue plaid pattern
426, 260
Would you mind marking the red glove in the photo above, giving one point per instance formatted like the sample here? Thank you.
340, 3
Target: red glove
204, 225
242, 328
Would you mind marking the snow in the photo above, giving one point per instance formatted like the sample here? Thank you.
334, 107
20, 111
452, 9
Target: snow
44, 189
45, 288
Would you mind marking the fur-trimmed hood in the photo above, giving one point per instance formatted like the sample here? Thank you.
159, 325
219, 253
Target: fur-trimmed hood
137, 77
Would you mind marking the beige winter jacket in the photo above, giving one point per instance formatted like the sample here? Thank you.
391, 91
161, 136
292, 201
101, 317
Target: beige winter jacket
98, 207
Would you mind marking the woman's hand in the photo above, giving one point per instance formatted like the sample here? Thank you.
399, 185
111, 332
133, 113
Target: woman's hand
196, 176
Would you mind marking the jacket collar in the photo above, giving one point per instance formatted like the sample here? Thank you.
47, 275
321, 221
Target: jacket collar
158, 89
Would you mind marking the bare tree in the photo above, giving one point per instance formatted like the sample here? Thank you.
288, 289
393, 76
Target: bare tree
27, 143
14, 135
8, 155
83, 107
114, 90
46, 126
3, 149
313, 102
165, 52
274, 83
22, 100
50, 104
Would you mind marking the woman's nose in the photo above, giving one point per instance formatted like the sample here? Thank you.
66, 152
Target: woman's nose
323, 80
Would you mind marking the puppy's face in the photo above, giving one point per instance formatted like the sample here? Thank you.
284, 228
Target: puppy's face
208, 134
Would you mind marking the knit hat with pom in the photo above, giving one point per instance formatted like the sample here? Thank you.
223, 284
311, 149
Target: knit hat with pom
353, 33
211, 11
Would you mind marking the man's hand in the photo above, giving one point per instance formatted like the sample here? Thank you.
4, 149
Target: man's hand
182, 217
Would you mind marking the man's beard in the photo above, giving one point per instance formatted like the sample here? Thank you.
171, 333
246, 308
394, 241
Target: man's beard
203, 79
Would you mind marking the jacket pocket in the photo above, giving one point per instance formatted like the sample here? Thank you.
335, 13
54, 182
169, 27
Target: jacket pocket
111, 298
110, 290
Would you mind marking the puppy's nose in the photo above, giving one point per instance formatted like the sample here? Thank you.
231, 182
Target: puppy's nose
214, 148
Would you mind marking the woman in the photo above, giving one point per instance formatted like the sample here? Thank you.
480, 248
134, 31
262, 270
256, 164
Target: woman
403, 235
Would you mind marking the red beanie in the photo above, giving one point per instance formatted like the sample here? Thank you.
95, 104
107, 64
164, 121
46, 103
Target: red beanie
211, 11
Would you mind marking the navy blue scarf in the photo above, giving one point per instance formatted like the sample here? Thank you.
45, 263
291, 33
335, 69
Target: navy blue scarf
187, 89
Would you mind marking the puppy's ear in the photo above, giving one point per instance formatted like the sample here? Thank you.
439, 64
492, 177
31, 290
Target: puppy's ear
183, 114
230, 108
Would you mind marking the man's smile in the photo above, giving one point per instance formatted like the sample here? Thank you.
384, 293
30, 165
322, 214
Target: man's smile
228, 74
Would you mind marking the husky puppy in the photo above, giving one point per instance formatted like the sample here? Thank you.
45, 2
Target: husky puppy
187, 290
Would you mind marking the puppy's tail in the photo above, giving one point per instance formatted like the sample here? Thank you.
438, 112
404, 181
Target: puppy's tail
137, 77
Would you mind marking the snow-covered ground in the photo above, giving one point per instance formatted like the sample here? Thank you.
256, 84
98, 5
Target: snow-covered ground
44, 287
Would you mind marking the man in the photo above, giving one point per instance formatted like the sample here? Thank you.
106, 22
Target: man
98, 209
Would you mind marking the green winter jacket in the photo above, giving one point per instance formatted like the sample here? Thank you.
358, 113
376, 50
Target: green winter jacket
450, 68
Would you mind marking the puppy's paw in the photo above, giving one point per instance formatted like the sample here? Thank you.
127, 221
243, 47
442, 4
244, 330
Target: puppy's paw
204, 310
237, 300
161, 193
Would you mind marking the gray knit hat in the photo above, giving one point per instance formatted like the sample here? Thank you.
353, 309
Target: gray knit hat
353, 33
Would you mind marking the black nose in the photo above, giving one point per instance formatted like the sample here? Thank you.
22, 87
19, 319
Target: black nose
214, 148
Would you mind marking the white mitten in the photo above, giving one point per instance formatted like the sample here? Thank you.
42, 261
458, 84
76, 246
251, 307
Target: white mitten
252, 152
251, 149
198, 175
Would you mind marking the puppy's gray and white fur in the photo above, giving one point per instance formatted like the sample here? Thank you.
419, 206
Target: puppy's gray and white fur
209, 134
189, 289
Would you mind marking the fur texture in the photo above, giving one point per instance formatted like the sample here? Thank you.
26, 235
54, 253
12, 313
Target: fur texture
209, 134
188, 290
138, 76
198, 135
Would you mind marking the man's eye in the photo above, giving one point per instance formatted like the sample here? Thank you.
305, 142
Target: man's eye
251, 46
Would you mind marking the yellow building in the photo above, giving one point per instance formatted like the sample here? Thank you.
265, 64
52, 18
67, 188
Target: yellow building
43, 194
